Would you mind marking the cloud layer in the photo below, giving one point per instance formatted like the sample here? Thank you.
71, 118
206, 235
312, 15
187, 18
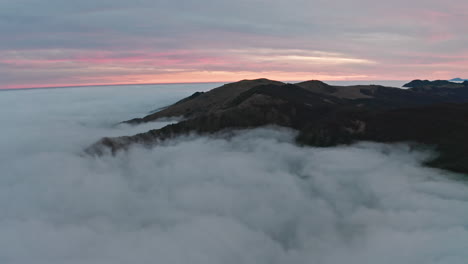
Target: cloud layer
63, 42
255, 197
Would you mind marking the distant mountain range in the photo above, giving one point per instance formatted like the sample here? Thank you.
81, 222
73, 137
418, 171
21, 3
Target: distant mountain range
433, 113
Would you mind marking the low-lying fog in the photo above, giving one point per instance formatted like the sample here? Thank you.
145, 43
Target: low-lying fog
253, 198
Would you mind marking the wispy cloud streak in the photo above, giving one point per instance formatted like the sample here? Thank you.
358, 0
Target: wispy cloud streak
62, 42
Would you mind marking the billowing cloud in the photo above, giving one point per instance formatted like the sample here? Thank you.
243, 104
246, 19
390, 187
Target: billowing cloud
402, 40
253, 197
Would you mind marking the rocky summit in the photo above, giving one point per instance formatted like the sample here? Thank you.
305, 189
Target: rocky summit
427, 113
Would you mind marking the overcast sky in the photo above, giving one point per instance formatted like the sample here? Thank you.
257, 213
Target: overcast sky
67, 42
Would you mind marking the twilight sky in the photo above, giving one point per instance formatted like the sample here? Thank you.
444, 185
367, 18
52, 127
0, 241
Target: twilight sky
68, 42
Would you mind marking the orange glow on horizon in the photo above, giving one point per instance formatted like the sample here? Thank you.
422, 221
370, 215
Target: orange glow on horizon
193, 77
64, 68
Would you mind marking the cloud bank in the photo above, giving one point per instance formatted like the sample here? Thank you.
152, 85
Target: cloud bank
63, 42
254, 197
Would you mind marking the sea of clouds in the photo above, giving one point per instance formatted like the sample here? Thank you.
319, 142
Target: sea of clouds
253, 197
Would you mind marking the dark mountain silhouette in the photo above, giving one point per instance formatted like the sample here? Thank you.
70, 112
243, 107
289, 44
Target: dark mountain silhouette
425, 84
430, 113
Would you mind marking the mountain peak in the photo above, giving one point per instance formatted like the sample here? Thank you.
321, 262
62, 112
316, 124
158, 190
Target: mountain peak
313, 82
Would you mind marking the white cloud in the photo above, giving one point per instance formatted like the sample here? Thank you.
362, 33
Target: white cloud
253, 198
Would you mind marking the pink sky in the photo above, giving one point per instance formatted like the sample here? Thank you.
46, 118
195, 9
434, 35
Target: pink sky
97, 42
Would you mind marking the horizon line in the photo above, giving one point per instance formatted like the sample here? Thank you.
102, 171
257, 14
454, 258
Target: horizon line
167, 83
100, 85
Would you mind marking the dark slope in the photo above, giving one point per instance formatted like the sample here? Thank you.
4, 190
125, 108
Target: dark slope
344, 92
201, 103
442, 126
324, 116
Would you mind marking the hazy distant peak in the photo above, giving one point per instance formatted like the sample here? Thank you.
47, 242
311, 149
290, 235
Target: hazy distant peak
250, 82
458, 80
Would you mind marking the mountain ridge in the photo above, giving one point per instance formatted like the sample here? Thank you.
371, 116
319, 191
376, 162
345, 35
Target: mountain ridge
324, 115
